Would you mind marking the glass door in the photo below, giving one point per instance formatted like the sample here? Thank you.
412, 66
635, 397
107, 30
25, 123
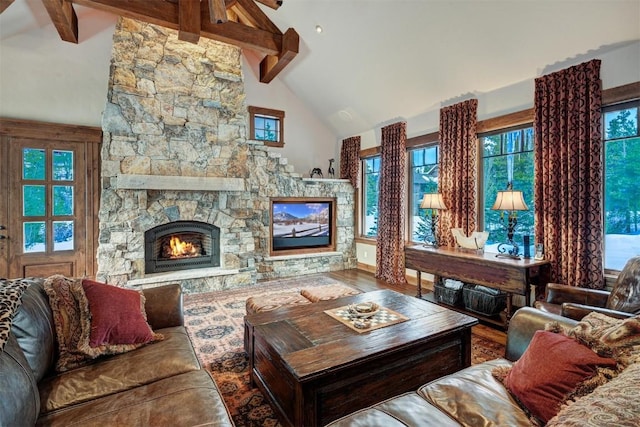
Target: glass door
46, 216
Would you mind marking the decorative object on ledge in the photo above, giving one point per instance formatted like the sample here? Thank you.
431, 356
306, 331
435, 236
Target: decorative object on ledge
510, 201
434, 202
315, 172
331, 173
475, 241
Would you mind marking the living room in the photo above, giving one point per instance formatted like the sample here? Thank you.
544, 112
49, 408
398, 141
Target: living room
86, 89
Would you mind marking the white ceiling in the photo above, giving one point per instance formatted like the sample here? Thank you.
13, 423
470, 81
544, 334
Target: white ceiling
381, 59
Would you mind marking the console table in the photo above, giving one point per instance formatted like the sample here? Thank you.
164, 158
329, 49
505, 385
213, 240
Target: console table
509, 275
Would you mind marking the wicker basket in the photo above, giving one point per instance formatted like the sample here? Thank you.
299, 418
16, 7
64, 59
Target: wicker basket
446, 295
484, 303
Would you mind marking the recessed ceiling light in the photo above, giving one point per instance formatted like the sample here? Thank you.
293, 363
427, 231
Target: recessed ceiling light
318, 29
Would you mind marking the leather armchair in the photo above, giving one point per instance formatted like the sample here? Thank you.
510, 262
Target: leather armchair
575, 303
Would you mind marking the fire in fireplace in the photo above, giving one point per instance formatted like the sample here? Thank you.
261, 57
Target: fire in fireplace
181, 245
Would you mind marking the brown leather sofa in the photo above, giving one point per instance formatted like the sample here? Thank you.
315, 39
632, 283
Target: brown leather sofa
156, 385
470, 397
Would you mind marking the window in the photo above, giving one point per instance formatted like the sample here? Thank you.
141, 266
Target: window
621, 189
267, 125
507, 157
370, 187
423, 178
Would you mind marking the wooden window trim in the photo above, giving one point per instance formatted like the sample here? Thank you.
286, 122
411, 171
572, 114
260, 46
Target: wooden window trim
279, 114
423, 140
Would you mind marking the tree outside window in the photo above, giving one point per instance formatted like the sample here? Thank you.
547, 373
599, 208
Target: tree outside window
371, 182
423, 176
507, 157
621, 188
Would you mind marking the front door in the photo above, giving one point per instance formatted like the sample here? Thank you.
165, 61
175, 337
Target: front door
43, 223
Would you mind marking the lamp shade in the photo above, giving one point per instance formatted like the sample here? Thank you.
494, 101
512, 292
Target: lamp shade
510, 200
433, 201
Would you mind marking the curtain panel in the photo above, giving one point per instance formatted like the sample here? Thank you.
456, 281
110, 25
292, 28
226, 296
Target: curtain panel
569, 173
391, 205
458, 175
350, 160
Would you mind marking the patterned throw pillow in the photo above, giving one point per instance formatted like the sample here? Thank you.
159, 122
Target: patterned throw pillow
615, 403
66, 297
607, 336
10, 299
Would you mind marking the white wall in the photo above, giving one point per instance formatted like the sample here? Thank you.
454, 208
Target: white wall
308, 143
43, 78
620, 66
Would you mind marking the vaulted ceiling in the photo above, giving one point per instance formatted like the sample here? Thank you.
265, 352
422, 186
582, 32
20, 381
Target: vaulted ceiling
377, 60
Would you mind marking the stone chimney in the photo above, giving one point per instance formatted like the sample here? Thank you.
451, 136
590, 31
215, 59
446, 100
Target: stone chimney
175, 148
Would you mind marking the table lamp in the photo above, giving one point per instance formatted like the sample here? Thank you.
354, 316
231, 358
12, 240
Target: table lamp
434, 202
511, 201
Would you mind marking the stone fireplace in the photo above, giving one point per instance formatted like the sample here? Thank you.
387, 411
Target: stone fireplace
175, 150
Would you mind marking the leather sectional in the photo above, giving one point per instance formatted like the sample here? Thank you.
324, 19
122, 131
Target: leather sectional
158, 384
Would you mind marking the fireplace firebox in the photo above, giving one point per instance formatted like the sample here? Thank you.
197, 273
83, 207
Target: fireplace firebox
181, 245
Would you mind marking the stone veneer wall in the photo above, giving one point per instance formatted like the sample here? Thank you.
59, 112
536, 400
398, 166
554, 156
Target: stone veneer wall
177, 109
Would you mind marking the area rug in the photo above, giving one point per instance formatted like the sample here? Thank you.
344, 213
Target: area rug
215, 322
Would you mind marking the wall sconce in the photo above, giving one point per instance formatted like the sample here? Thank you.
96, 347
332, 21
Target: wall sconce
510, 201
434, 202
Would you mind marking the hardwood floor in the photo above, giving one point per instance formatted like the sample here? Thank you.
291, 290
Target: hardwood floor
366, 282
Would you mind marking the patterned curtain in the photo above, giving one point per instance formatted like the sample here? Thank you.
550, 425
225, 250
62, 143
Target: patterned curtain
391, 205
458, 157
568, 175
350, 160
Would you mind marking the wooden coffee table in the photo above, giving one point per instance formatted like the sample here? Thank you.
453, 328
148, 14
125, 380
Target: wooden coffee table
315, 369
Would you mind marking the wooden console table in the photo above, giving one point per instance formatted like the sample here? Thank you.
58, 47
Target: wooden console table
509, 275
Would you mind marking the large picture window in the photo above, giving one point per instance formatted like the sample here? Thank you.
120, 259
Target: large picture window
621, 188
507, 157
370, 190
423, 178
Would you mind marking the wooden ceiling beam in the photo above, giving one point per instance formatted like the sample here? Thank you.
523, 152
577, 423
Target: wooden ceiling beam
194, 19
189, 17
64, 18
5, 4
218, 11
271, 65
241, 35
165, 14
273, 4
252, 13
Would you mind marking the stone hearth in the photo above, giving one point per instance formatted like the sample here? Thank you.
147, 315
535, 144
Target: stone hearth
175, 148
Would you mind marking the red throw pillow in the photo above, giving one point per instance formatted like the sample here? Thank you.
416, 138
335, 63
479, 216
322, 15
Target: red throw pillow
552, 366
117, 315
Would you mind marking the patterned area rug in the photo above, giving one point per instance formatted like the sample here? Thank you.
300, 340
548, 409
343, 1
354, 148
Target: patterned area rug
215, 322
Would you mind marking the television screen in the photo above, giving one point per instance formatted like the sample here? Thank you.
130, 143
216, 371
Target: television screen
297, 225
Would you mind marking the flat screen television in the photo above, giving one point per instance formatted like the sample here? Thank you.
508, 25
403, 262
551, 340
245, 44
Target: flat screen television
302, 225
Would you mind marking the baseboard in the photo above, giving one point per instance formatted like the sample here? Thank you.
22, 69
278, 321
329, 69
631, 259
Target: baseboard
366, 267
411, 278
